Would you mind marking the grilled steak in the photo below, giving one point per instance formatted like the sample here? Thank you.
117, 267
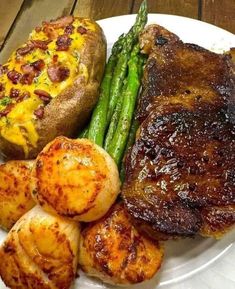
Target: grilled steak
180, 173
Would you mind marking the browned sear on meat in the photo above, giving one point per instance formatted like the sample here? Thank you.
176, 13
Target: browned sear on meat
180, 173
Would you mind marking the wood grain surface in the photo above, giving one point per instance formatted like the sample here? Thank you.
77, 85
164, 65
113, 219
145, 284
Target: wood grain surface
102, 8
219, 13
8, 13
187, 8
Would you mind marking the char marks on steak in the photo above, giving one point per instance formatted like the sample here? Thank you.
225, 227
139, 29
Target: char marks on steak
180, 173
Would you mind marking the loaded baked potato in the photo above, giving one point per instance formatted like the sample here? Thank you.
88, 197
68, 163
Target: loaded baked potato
49, 86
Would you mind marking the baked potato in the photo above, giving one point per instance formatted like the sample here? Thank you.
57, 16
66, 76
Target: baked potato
75, 178
49, 86
40, 252
15, 194
112, 250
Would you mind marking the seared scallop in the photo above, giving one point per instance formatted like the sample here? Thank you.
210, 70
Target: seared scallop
75, 179
40, 252
112, 250
15, 196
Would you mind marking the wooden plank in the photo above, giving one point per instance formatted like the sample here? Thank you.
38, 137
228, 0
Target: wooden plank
188, 8
32, 14
99, 9
12, 7
220, 13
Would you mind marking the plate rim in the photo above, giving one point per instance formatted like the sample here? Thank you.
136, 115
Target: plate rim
167, 16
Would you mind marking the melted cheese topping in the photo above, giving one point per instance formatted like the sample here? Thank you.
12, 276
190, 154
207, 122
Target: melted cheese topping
18, 126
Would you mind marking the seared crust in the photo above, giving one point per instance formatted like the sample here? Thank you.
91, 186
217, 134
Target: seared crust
83, 180
180, 171
66, 113
183, 165
187, 72
40, 252
15, 194
112, 250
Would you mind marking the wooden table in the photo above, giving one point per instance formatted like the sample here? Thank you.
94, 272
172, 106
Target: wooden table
19, 17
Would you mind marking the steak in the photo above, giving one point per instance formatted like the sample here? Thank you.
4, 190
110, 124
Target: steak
180, 172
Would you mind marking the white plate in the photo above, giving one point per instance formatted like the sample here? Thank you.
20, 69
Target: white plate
193, 263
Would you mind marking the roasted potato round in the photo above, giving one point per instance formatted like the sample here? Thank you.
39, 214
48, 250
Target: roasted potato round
15, 195
75, 179
112, 250
49, 86
40, 252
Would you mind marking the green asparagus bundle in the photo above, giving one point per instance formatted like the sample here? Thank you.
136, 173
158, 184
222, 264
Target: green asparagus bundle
118, 144
120, 71
98, 122
114, 119
112, 125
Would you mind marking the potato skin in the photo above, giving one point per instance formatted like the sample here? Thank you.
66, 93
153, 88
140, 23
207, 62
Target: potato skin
71, 108
76, 179
15, 194
112, 250
40, 252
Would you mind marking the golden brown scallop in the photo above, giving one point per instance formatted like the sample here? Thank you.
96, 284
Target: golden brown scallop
75, 179
40, 252
15, 196
112, 250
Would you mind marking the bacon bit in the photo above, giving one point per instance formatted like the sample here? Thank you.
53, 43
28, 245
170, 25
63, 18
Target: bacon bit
55, 58
24, 50
1, 87
69, 29
57, 73
43, 95
38, 28
34, 67
14, 93
29, 74
27, 69
6, 110
14, 76
41, 44
3, 69
64, 73
27, 79
63, 42
60, 22
26, 95
38, 65
82, 30
39, 112
31, 71
23, 96
50, 32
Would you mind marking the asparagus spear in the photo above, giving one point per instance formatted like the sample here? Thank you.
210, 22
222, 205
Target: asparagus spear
121, 67
114, 119
130, 141
118, 108
99, 117
134, 125
120, 137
